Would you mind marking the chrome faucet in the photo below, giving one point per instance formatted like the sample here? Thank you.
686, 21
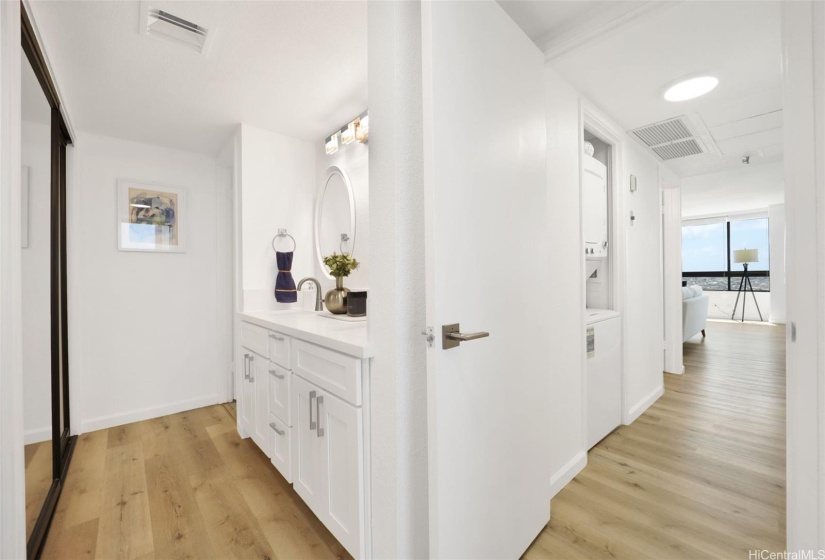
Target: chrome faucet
319, 304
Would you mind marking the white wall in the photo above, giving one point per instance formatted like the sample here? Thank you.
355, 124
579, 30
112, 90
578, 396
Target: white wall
278, 188
12, 473
36, 270
776, 219
672, 270
643, 312
354, 160
149, 339
399, 460
643, 334
566, 287
748, 187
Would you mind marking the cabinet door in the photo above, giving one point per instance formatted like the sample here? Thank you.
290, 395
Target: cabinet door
307, 446
343, 467
279, 382
259, 379
246, 411
280, 446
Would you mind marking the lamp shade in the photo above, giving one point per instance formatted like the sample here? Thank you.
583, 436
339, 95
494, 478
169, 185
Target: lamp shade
746, 256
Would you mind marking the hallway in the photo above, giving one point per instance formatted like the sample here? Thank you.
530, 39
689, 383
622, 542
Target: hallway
701, 474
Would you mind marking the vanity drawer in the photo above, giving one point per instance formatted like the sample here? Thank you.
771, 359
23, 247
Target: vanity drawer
280, 380
255, 338
280, 446
279, 349
335, 372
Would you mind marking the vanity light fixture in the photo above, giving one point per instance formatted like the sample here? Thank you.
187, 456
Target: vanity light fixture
348, 133
357, 129
362, 131
332, 144
691, 88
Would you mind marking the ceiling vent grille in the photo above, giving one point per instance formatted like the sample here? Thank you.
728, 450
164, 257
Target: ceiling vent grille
683, 148
160, 23
676, 138
663, 132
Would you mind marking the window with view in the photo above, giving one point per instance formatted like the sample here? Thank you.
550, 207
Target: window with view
707, 253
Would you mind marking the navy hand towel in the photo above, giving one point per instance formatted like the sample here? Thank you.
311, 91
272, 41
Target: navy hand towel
285, 291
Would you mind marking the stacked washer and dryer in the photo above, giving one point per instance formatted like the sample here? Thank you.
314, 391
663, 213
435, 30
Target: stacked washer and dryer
603, 326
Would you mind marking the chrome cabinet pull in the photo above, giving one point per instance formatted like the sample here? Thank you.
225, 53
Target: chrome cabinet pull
276, 374
246, 366
251, 359
312, 424
277, 431
318, 402
276, 337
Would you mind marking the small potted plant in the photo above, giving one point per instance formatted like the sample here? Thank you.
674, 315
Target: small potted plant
339, 265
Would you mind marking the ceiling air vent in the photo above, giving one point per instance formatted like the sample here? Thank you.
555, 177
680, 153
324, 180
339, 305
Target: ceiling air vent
683, 148
159, 23
676, 138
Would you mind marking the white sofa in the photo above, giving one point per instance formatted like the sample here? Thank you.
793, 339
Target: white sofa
694, 312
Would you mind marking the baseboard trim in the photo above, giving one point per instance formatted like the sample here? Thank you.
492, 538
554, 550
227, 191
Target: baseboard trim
568, 472
639, 408
37, 435
112, 420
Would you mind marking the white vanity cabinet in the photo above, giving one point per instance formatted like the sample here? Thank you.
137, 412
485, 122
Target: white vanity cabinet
328, 461
304, 405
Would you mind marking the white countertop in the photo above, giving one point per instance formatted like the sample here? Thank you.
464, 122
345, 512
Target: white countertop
347, 338
593, 315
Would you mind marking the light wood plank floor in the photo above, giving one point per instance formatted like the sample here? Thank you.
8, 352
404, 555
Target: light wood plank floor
181, 486
701, 474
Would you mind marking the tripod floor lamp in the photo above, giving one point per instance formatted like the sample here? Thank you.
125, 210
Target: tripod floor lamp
744, 257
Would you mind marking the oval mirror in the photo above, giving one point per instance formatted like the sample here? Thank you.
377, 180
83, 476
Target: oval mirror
334, 216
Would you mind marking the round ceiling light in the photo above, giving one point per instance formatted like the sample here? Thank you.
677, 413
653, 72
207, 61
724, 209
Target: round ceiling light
690, 89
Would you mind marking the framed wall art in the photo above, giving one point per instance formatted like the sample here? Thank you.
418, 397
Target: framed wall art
151, 217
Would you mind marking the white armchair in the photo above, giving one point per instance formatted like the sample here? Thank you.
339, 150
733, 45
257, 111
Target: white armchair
694, 312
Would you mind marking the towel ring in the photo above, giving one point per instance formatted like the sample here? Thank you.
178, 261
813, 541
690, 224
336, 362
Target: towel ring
294, 245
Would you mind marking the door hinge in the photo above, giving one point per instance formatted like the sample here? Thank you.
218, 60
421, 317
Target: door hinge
429, 332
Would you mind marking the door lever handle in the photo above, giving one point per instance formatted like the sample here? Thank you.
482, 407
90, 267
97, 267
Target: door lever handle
462, 337
451, 336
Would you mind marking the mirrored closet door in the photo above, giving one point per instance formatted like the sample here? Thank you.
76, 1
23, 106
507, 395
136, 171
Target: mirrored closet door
48, 444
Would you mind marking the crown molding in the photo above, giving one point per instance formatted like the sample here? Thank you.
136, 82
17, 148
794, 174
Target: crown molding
583, 31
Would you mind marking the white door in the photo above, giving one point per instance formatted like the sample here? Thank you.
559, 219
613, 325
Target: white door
247, 393
307, 477
486, 208
259, 373
343, 465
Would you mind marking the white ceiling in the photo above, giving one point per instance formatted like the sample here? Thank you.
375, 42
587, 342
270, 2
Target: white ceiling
748, 187
625, 69
299, 68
